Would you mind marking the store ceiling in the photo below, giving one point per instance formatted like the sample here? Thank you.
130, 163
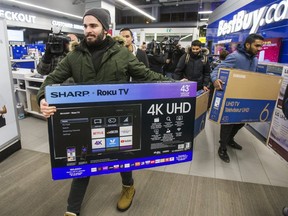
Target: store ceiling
164, 3
77, 7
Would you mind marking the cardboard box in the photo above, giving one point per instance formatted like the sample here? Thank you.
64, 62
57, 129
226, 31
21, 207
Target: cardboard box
34, 104
246, 97
200, 112
102, 129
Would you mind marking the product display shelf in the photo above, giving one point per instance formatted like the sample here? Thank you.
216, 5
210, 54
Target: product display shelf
19, 85
26, 87
32, 86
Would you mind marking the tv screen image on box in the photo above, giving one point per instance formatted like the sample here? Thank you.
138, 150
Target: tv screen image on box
107, 129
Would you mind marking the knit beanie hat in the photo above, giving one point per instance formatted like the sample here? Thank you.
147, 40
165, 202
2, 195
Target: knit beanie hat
102, 15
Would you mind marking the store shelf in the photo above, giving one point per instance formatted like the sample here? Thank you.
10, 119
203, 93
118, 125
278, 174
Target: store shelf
26, 87
31, 87
19, 89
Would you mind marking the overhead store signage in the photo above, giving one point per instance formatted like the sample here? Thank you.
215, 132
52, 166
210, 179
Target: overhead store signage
253, 20
67, 25
19, 17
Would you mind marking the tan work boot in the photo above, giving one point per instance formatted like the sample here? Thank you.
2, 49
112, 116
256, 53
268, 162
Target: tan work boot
126, 198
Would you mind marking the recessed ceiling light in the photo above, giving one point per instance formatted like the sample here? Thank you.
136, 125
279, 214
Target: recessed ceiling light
137, 9
205, 12
46, 9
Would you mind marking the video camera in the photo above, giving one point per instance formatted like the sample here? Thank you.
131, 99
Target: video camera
169, 44
57, 41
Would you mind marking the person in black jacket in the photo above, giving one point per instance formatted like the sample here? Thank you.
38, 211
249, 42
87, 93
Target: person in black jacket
141, 55
156, 56
172, 60
194, 66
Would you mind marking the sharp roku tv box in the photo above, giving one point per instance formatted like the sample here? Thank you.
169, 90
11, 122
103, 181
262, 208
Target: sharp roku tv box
108, 128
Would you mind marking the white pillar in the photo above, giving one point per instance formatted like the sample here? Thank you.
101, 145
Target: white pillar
142, 36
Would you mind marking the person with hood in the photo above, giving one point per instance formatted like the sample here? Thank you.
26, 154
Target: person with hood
243, 58
141, 55
97, 59
194, 66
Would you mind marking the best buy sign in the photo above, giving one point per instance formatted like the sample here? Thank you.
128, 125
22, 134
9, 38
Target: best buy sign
253, 20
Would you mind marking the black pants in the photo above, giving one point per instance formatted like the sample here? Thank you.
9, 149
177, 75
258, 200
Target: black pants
227, 133
79, 186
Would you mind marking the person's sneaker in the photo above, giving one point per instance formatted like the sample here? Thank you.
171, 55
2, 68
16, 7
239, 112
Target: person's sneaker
126, 198
223, 155
70, 214
235, 145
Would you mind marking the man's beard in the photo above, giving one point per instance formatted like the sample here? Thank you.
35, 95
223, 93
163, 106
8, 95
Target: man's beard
250, 51
99, 39
195, 54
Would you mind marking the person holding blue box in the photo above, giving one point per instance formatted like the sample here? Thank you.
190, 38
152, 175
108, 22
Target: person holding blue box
243, 58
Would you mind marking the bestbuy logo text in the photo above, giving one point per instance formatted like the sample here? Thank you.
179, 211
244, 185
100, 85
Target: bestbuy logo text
98, 92
253, 20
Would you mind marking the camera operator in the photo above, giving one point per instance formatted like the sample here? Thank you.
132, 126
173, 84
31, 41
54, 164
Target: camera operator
53, 56
174, 53
156, 57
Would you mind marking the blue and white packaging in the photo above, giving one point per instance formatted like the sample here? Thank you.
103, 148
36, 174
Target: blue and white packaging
271, 68
108, 128
246, 97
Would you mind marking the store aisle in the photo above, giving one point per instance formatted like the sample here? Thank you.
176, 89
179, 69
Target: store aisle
26, 189
256, 163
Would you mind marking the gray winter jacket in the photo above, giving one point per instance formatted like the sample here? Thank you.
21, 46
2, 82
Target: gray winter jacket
239, 59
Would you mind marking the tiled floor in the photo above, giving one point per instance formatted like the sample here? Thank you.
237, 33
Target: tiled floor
255, 163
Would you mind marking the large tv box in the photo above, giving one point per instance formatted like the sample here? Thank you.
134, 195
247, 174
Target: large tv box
108, 128
246, 97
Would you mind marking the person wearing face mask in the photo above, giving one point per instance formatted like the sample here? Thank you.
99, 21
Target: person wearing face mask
243, 58
194, 66
97, 59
